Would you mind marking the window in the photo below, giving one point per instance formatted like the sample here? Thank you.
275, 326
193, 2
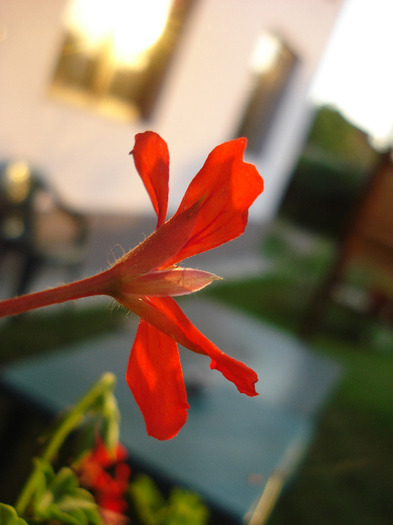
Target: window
272, 63
116, 53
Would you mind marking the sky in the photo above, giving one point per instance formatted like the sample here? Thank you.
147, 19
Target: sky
356, 73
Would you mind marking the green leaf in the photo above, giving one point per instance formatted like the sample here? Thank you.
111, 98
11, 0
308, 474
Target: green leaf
147, 499
8, 516
65, 482
185, 508
60, 498
44, 473
181, 508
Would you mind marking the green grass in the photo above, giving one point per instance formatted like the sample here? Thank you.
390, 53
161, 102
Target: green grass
38, 332
347, 477
367, 386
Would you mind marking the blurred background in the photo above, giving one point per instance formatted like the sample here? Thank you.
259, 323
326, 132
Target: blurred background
309, 84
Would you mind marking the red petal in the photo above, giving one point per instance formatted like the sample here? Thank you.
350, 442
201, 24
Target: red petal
155, 377
151, 159
106, 457
166, 315
227, 187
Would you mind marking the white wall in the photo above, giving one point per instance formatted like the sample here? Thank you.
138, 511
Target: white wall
86, 155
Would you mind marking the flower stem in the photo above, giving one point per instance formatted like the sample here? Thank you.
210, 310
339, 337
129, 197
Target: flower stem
100, 284
69, 423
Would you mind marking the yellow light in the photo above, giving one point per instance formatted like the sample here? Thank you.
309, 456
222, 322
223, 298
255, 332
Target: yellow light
132, 26
266, 53
18, 181
139, 28
90, 19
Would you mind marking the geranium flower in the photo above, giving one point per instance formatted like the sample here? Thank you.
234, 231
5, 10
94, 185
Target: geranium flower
213, 211
107, 475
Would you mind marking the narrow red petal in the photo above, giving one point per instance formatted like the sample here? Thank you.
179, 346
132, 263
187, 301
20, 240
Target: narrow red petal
151, 159
166, 315
155, 377
227, 186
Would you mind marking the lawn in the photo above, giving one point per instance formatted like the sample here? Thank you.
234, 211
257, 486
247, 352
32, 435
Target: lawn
57, 328
347, 477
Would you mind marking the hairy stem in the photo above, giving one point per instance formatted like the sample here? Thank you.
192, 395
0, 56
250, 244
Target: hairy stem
100, 284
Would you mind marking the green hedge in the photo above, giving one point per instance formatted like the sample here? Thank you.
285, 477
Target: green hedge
321, 195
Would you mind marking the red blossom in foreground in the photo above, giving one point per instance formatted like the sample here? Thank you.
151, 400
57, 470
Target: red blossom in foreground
108, 488
213, 211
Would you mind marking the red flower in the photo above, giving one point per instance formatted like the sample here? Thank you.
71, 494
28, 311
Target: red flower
213, 211
109, 489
